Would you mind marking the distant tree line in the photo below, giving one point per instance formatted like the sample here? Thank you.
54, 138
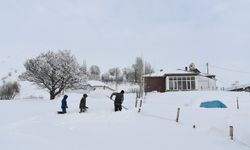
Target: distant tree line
131, 74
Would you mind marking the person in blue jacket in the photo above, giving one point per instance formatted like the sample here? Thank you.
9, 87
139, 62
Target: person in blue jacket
64, 105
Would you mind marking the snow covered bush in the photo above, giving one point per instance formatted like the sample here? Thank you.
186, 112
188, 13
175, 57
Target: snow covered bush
9, 90
55, 71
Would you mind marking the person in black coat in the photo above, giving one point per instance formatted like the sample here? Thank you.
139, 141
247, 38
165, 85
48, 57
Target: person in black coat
82, 105
119, 97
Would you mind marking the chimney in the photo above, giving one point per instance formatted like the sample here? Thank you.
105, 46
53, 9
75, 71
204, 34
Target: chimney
186, 68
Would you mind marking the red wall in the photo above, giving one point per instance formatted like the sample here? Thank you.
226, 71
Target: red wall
155, 84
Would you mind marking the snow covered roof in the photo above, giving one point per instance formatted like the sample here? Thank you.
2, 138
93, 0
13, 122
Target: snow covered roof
237, 87
96, 83
156, 74
166, 73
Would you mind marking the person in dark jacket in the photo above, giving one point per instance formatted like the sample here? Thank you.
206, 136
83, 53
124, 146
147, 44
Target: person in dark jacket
82, 105
64, 105
119, 97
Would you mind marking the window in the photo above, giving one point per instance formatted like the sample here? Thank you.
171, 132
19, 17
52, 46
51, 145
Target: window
179, 85
192, 85
182, 83
188, 85
171, 83
175, 84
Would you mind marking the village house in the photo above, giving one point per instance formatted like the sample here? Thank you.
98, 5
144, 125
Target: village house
180, 80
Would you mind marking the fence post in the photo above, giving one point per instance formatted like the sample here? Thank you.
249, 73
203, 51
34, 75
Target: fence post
231, 132
136, 100
139, 110
178, 114
238, 107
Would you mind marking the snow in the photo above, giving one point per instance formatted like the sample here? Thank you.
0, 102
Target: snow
33, 123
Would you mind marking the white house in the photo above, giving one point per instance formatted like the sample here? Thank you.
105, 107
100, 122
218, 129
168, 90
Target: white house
179, 80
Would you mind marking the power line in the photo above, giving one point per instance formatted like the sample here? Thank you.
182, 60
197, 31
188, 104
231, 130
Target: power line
225, 83
231, 70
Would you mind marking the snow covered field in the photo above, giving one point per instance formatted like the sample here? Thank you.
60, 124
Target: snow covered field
32, 124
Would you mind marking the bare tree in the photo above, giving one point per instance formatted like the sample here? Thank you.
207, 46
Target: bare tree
129, 74
115, 72
148, 68
138, 69
116, 75
106, 77
95, 72
53, 71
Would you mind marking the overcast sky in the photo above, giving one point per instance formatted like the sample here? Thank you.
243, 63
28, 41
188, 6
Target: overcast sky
169, 34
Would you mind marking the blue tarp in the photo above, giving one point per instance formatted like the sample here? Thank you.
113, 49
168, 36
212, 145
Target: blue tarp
213, 104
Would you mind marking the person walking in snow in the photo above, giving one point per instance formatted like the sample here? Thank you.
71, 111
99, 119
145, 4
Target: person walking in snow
64, 105
82, 105
119, 97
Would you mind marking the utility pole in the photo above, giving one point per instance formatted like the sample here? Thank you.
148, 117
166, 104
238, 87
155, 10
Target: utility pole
207, 68
84, 64
142, 78
208, 74
84, 70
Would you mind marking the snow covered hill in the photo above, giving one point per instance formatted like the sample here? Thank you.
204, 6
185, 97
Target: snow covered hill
29, 124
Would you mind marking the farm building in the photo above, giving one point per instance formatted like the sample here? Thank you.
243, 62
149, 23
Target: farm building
239, 88
179, 80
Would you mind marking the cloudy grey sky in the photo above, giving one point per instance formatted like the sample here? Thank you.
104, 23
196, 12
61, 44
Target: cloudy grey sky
169, 34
